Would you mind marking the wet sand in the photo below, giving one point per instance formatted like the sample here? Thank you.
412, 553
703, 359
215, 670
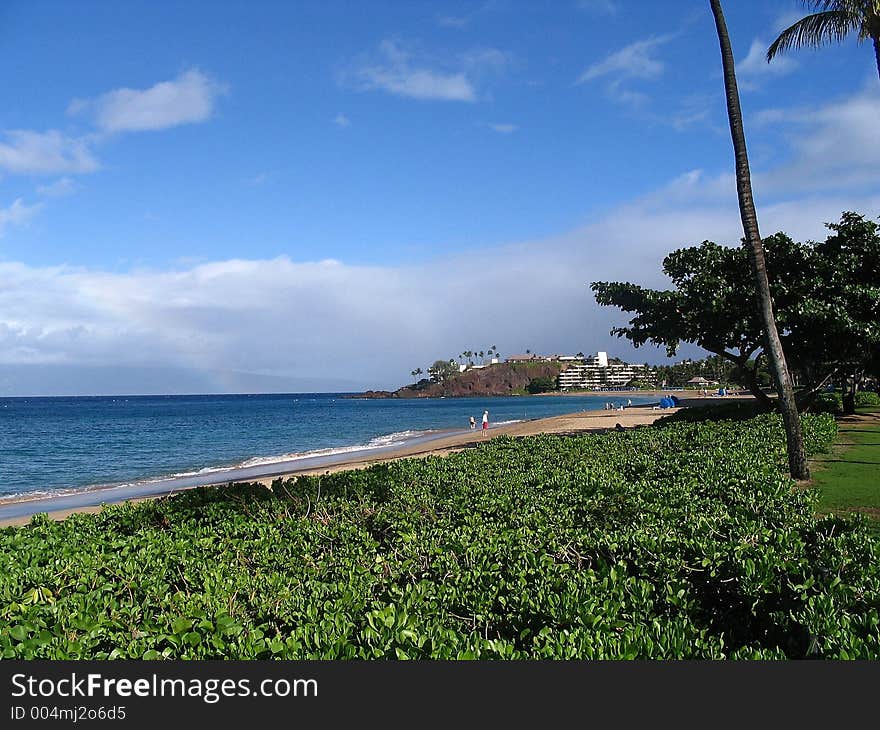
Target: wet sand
19, 512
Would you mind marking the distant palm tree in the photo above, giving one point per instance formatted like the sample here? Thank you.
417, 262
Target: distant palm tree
415, 373
833, 22
797, 459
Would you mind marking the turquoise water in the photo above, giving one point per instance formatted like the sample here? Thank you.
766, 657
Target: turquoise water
50, 446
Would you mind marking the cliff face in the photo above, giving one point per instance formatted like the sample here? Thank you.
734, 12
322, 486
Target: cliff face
500, 379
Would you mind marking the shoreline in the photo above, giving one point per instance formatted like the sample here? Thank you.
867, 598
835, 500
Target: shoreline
16, 512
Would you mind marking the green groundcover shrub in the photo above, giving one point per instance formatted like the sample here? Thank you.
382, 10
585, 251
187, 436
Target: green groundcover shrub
867, 398
687, 541
827, 403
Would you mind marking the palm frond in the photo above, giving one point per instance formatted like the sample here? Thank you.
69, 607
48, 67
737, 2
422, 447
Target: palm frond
854, 7
815, 30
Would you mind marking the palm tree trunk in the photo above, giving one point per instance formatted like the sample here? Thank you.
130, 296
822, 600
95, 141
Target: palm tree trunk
797, 459
876, 40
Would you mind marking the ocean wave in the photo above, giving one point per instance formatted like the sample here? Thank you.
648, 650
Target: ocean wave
378, 442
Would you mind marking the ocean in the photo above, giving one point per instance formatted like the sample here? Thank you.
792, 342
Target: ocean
62, 445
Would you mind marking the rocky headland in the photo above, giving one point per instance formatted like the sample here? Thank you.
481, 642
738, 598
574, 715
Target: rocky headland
498, 379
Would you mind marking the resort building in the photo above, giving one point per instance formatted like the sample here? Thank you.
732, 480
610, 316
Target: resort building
471, 366
597, 373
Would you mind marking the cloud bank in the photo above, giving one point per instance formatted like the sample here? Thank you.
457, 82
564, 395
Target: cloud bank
372, 325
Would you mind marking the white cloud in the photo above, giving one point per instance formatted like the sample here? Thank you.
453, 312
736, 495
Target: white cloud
17, 214
418, 83
504, 128
341, 121
59, 189
831, 146
188, 99
694, 187
27, 152
754, 66
397, 73
635, 61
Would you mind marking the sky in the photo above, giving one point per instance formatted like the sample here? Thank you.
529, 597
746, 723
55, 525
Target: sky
319, 196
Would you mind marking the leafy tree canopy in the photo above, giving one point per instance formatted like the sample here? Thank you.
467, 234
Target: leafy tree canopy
442, 370
826, 299
541, 384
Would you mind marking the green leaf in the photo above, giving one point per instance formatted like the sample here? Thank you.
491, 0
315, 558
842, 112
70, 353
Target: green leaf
181, 625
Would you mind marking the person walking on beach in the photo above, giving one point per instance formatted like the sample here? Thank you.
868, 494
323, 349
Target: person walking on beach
473, 423
485, 422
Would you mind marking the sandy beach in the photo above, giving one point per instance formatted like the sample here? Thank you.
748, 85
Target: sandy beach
577, 422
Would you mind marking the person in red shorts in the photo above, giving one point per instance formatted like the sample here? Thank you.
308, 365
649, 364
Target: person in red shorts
485, 421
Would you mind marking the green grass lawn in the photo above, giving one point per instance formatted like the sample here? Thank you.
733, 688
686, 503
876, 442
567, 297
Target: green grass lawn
848, 478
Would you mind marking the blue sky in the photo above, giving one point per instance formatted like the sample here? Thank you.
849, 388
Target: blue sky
336, 193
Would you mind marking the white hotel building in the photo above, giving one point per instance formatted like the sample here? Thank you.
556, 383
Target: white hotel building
597, 373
